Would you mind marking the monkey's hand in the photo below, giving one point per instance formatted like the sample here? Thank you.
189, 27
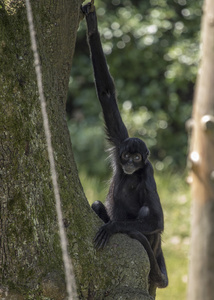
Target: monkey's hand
103, 235
91, 17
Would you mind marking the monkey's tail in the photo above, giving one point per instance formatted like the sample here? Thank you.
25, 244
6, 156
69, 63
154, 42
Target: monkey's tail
157, 276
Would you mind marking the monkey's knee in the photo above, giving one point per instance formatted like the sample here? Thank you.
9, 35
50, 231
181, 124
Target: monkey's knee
100, 210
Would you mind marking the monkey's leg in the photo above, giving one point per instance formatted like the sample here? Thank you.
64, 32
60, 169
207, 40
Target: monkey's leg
100, 210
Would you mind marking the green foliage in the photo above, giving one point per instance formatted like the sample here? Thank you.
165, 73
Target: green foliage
152, 48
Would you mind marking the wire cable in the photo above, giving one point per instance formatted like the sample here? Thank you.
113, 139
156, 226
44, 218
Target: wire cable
69, 273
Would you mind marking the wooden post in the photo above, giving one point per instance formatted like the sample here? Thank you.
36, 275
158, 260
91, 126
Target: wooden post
201, 162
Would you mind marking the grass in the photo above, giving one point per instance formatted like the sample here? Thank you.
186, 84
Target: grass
175, 198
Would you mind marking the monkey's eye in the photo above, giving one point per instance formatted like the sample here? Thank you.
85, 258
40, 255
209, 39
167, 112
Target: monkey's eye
137, 157
125, 155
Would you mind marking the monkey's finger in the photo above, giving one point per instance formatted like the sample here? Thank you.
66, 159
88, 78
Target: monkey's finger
97, 243
86, 9
99, 234
98, 238
103, 241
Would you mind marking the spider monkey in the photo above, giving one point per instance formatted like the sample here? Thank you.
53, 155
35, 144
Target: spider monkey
132, 205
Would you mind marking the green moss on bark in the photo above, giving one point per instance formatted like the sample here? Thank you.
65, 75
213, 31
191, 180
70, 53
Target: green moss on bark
30, 256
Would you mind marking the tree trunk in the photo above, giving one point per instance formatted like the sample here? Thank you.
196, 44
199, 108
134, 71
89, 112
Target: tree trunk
202, 164
30, 254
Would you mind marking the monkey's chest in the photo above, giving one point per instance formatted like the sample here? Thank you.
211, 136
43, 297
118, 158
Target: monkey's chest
126, 201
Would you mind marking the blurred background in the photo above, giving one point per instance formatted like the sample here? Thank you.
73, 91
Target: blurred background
152, 48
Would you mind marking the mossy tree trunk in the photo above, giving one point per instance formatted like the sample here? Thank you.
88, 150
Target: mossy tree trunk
30, 254
202, 164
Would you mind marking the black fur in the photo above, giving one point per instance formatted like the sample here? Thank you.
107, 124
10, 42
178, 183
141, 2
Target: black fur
132, 205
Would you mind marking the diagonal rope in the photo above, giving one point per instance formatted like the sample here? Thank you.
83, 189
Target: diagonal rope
69, 274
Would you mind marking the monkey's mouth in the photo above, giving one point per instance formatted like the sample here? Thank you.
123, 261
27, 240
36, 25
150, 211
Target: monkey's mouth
129, 169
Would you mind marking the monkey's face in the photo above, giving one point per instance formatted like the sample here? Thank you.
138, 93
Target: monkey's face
131, 162
133, 155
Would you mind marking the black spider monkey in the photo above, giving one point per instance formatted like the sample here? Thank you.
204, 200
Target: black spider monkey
132, 205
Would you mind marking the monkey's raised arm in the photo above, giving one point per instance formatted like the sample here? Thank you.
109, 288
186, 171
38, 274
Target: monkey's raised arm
115, 127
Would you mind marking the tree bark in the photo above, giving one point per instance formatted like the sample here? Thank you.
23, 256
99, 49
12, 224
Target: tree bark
30, 254
201, 160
